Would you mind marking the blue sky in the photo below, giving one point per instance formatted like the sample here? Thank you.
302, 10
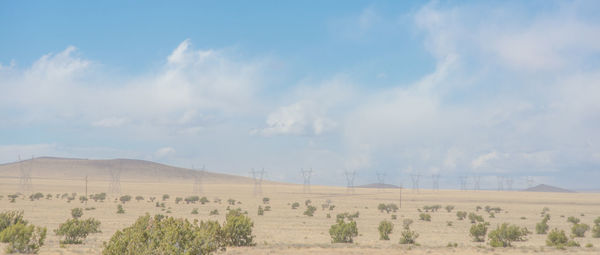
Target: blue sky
456, 88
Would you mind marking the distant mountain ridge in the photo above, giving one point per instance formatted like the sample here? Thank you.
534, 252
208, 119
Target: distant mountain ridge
548, 188
130, 170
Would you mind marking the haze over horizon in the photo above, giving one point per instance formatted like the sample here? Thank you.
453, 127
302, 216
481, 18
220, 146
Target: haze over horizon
445, 87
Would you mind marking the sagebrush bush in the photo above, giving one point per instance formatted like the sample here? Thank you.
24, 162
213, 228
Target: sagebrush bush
541, 228
425, 217
596, 228
558, 238
124, 199
195, 211
178, 199
139, 198
238, 229
578, 230
204, 200
214, 212
76, 213
408, 236
261, 211
10, 218
36, 196
343, 232
406, 223
120, 209
478, 231
98, 197
266, 200
385, 229
23, 238
573, 220
295, 205
449, 208
475, 218
461, 215
432, 208
165, 197
505, 234
166, 235
75, 230
310, 210
192, 199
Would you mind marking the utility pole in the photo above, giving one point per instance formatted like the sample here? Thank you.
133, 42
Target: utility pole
86, 189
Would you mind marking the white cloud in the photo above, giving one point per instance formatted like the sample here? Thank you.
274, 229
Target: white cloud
110, 122
164, 152
483, 159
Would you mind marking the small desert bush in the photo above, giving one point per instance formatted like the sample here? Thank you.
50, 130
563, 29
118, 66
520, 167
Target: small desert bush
261, 211
120, 209
432, 208
166, 235
578, 230
192, 199
596, 228
310, 210
76, 213
343, 232
124, 199
214, 212
83, 199
178, 199
385, 229
573, 220
478, 231
558, 238
238, 229
542, 227
408, 236
36, 196
75, 230
266, 200
231, 201
165, 197
475, 218
139, 198
505, 234
449, 208
10, 218
295, 205
99, 197
23, 238
461, 215
195, 211
204, 200
425, 217
406, 223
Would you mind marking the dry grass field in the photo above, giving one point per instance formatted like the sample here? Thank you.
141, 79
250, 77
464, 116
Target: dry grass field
286, 231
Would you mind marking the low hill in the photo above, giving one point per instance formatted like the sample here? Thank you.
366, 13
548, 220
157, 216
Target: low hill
130, 170
378, 186
548, 188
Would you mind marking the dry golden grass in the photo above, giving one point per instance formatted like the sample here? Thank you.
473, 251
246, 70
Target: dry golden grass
287, 231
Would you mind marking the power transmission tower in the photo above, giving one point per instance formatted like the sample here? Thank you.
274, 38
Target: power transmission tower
500, 182
350, 181
380, 180
509, 183
115, 179
306, 174
25, 178
86, 188
529, 181
198, 175
476, 181
400, 204
258, 178
463, 182
415, 182
435, 179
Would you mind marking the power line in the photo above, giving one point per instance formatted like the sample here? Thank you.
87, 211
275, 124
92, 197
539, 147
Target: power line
463, 182
415, 182
435, 181
350, 181
306, 174
476, 181
25, 175
258, 178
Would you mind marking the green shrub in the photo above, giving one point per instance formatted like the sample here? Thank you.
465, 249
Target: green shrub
23, 238
165, 197
579, 230
214, 212
478, 231
425, 217
478, 208
267, 208
449, 208
542, 227
75, 230
596, 230
432, 208
36, 196
231, 201
505, 234
589, 245
310, 210
10, 218
346, 215
475, 218
558, 239
83, 199
125, 199
489, 209
408, 236
461, 215
204, 200
343, 232
192, 199
178, 199
266, 200
120, 209
573, 220
295, 205
195, 211
98, 197
76, 213
385, 229
139, 198
394, 216
48, 196
166, 235
12, 197
307, 202
260, 211
238, 229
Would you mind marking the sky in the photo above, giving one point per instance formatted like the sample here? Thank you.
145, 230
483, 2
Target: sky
405, 88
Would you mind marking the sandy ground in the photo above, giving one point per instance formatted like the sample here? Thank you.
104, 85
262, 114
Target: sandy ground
287, 231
